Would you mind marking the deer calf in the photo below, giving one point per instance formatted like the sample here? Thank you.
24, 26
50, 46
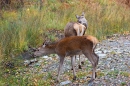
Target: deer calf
70, 46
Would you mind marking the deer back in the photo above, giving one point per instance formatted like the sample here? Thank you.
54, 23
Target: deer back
69, 30
73, 45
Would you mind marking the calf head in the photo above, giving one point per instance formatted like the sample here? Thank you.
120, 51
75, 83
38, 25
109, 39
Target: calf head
45, 49
81, 19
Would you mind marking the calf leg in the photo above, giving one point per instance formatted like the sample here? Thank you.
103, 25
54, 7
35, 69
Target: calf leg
60, 67
73, 67
80, 62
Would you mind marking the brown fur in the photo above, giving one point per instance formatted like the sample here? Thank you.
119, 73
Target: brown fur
72, 27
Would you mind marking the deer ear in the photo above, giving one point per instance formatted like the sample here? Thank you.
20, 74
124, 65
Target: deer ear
77, 16
44, 43
83, 14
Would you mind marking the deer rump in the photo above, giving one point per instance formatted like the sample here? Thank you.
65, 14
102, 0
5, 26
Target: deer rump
74, 29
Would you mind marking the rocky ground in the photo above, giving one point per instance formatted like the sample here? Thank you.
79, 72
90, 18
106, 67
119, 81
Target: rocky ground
113, 68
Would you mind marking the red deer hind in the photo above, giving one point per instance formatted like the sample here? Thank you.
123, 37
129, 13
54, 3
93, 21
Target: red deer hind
70, 46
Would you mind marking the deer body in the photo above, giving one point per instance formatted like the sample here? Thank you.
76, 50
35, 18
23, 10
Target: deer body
74, 29
71, 46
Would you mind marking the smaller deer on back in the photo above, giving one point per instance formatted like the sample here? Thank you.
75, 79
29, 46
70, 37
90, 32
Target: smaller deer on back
76, 29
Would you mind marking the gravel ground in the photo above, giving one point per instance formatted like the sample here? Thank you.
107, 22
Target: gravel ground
113, 68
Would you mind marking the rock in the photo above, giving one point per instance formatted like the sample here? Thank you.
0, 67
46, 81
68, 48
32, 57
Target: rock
102, 55
45, 57
37, 64
90, 84
98, 52
33, 60
65, 83
26, 62
108, 59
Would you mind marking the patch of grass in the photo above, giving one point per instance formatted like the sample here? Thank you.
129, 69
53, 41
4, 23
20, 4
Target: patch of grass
82, 74
113, 73
100, 74
124, 73
123, 84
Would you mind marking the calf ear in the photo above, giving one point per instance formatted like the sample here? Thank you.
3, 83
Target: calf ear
77, 16
83, 14
44, 43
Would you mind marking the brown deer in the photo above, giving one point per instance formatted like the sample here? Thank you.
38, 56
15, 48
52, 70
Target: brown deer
70, 46
76, 29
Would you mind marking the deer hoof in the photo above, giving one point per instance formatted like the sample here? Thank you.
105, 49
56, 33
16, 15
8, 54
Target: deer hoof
91, 80
95, 74
74, 78
80, 67
82, 63
57, 81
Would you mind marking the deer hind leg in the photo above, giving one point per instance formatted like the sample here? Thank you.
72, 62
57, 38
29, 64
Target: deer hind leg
73, 66
81, 62
82, 32
60, 68
90, 57
78, 32
96, 58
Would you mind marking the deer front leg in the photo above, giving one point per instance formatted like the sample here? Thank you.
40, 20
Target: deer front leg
73, 67
60, 68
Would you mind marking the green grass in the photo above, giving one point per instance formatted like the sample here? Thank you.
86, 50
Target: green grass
124, 73
113, 73
20, 28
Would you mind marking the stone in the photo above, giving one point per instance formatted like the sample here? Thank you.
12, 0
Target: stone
45, 57
102, 56
65, 83
26, 62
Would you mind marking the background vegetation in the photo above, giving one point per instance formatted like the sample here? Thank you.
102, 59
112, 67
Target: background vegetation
23, 23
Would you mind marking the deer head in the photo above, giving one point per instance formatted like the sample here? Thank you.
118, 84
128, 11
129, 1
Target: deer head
81, 19
45, 49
